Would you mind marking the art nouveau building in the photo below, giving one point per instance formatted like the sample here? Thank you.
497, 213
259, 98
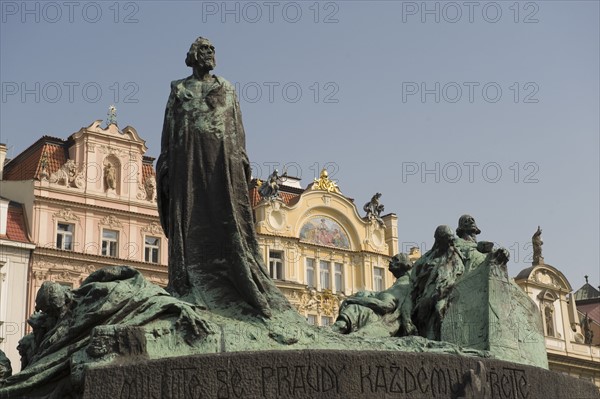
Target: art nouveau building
319, 249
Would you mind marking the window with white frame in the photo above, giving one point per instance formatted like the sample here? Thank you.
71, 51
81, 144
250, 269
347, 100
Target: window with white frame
311, 319
325, 321
110, 242
378, 279
64, 236
310, 272
151, 249
325, 275
276, 264
339, 277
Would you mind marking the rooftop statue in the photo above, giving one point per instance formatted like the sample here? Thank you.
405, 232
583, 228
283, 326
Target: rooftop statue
203, 175
536, 241
269, 190
325, 183
374, 208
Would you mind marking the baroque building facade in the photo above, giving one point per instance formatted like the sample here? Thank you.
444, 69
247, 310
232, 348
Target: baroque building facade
89, 202
565, 331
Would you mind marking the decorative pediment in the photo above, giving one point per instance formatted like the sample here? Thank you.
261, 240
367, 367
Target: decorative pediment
65, 214
153, 228
127, 134
548, 276
111, 221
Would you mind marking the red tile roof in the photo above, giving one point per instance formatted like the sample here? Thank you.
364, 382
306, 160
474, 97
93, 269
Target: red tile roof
288, 198
147, 170
28, 164
16, 229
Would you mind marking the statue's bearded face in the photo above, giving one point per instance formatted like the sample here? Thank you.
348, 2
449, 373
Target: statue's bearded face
468, 223
205, 55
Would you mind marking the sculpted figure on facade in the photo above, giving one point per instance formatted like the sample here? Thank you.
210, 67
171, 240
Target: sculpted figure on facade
325, 183
586, 327
374, 208
383, 313
536, 241
269, 190
110, 177
150, 188
213, 249
68, 175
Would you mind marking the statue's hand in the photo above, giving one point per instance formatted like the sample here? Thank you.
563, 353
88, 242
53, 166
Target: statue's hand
189, 317
501, 256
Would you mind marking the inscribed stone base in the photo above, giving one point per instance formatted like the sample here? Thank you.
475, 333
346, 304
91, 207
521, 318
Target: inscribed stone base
330, 374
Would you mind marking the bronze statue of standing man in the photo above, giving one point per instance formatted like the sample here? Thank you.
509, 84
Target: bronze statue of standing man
203, 174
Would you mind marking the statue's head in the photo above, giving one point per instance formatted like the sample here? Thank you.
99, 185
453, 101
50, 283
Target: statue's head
467, 226
201, 55
444, 236
399, 265
52, 298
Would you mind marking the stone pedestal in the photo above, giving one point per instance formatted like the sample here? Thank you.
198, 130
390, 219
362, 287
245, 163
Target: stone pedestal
488, 311
330, 374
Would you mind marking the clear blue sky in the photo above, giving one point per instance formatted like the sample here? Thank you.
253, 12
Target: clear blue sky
489, 108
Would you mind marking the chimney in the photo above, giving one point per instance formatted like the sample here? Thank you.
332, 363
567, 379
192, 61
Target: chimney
2, 158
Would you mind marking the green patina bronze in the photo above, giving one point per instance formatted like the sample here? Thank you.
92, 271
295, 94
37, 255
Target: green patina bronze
457, 298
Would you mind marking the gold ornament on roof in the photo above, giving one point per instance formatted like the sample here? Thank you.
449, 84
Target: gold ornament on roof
325, 183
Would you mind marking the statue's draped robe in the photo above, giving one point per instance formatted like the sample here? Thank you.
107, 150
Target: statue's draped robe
117, 295
203, 175
433, 277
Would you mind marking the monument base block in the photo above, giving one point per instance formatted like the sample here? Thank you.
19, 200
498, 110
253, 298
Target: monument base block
329, 374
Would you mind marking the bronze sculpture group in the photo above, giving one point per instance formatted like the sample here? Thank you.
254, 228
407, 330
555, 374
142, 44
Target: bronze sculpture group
417, 302
217, 277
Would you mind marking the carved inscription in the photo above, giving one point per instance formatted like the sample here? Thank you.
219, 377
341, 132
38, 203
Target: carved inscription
291, 380
322, 379
141, 386
230, 384
508, 383
393, 379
